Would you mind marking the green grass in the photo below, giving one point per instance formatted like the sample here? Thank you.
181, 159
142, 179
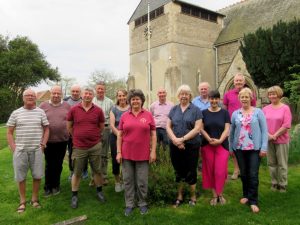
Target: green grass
276, 208
3, 141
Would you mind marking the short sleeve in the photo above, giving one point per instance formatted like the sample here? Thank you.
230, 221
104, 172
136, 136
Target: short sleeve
152, 123
227, 117
199, 114
12, 120
70, 115
287, 117
121, 123
45, 121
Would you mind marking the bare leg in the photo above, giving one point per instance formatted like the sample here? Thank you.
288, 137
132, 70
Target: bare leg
193, 192
180, 190
35, 189
22, 191
75, 182
98, 179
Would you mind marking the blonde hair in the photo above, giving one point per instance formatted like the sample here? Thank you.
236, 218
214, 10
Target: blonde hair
186, 88
277, 90
246, 91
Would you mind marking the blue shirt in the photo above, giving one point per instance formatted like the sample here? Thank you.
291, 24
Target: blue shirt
202, 105
184, 122
258, 126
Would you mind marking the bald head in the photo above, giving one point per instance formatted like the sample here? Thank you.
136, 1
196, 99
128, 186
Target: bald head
75, 92
204, 88
162, 95
56, 94
239, 81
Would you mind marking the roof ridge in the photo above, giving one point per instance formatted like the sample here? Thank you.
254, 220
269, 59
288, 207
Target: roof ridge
233, 4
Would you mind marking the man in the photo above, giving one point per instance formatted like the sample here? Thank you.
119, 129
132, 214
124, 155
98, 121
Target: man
160, 110
56, 111
72, 100
85, 124
105, 104
32, 132
231, 103
202, 101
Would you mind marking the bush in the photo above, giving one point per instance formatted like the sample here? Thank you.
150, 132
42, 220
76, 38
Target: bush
294, 151
162, 187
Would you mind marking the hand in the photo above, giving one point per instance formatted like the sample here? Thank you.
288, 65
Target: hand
231, 153
12, 148
262, 153
178, 141
181, 146
119, 157
215, 142
42, 147
152, 157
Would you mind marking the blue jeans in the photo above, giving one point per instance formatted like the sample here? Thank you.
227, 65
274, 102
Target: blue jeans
162, 137
249, 161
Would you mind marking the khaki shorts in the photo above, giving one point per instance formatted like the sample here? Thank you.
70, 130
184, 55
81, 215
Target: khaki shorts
80, 157
23, 161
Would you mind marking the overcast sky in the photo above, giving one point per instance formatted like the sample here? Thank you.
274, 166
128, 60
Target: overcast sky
79, 36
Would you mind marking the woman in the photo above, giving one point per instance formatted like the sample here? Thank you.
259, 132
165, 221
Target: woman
136, 147
183, 127
249, 141
216, 123
279, 121
114, 119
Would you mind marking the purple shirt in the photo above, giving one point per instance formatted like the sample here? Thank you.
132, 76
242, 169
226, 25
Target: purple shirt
160, 112
57, 117
232, 102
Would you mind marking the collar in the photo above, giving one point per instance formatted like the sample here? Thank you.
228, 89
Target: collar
61, 102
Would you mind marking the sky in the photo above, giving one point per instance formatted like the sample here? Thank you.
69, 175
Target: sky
79, 36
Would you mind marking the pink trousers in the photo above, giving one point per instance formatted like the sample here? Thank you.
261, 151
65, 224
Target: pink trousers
214, 167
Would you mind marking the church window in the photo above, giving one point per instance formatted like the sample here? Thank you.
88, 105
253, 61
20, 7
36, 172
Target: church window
199, 13
153, 14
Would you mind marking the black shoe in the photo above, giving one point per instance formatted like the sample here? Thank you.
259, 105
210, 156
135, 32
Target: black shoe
101, 196
55, 191
47, 193
74, 202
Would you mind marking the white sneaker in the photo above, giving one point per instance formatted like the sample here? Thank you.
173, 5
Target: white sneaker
119, 187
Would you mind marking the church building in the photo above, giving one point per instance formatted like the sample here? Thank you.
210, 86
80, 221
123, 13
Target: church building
190, 44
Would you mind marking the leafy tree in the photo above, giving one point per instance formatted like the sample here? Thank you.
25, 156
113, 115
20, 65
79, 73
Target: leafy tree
293, 86
268, 53
22, 65
112, 82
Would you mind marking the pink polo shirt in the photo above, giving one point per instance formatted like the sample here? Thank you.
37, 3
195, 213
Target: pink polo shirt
160, 112
277, 118
231, 100
136, 135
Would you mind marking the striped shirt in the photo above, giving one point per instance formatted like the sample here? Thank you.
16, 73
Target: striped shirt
106, 105
29, 127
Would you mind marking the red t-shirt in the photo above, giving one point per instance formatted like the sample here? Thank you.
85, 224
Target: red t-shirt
136, 135
86, 130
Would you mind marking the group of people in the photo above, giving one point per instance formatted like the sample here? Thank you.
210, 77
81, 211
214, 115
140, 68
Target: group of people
201, 128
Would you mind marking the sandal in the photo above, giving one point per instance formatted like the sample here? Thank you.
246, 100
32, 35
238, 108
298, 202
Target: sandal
35, 204
254, 208
213, 201
192, 202
244, 201
21, 208
177, 203
222, 200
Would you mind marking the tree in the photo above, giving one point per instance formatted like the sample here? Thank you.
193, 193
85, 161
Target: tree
293, 86
268, 53
112, 82
65, 83
22, 65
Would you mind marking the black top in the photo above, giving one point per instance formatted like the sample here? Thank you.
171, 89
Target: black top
214, 125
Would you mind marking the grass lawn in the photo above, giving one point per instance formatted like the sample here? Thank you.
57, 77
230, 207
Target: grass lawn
276, 208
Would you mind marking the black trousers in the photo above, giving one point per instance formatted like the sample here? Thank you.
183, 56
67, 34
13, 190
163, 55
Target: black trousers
113, 150
249, 162
54, 157
185, 162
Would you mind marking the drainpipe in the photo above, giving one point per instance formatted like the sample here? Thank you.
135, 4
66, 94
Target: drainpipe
216, 67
